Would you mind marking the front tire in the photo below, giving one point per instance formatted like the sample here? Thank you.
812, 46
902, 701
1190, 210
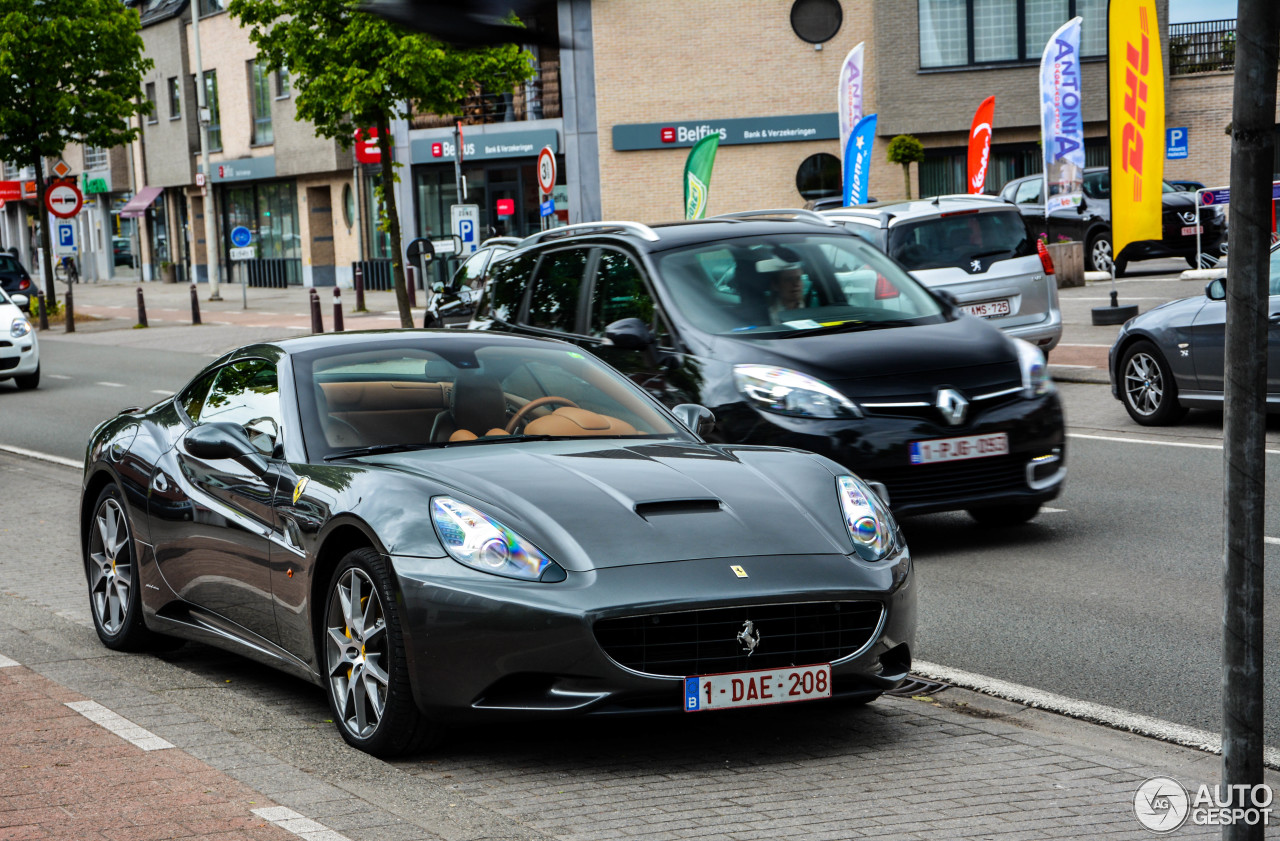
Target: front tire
1001, 516
367, 674
26, 382
1099, 253
115, 598
1147, 387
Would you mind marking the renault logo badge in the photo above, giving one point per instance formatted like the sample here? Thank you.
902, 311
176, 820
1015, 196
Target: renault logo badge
953, 406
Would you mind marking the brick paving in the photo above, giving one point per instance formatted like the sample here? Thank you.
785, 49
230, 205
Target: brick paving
64, 777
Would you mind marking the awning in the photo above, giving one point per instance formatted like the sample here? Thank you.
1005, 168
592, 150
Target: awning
138, 205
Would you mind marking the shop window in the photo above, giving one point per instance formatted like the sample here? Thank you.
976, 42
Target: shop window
554, 302
260, 104
816, 21
215, 117
175, 98
958, 33
819, 177
282, 84
212, 7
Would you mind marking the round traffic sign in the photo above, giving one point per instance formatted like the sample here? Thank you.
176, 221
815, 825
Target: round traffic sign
63, 199
241, 236
547, 169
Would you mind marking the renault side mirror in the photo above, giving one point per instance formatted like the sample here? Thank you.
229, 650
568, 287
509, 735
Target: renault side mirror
629, 334
697, 418
1216, 290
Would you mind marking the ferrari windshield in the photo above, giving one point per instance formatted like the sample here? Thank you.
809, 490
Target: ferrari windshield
793, 284
442, 390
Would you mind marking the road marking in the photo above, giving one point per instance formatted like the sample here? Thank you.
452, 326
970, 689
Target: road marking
1274, 541
110, 385
1143, 725
299, 825
1158, 443
5, 662
1044, 509
118, 724
57, 376
20, 451
161, 391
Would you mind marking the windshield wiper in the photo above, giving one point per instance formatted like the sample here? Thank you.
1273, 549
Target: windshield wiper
377, 449
847, 327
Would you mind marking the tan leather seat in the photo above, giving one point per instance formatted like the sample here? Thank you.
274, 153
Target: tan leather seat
568, 421
477, 405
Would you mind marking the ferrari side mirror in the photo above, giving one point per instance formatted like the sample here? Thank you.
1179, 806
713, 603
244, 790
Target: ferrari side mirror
214, 441
697, 418
629, 334
1216, 290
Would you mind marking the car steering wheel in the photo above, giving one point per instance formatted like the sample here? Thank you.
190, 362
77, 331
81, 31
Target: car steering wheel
533, 404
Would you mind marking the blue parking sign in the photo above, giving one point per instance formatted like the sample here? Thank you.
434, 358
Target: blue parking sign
1176, 147
66, 236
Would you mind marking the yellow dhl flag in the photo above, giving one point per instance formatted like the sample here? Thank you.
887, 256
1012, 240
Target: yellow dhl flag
1136, 85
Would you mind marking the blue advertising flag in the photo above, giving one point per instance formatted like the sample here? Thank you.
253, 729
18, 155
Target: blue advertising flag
1061, 118
857, 160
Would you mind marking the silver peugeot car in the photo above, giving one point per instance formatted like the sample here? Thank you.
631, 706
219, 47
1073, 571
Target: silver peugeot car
976, 250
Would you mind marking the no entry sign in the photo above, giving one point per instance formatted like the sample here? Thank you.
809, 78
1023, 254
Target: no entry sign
63, 199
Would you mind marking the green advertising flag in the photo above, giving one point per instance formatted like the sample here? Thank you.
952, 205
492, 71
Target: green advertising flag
697, 176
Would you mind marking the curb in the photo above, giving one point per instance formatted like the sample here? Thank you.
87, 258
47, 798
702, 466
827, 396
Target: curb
1202, 274
1079, 374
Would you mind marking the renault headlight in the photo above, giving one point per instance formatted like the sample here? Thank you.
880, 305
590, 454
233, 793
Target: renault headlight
787, 392
1035, 371
867, 518
481, 542
19, 328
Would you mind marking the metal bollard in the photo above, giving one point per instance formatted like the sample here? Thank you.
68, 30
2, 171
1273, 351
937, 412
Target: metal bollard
317, 322
411, 284
44, 314
142, 309
337, 310
70, 313
195, 306
359, 281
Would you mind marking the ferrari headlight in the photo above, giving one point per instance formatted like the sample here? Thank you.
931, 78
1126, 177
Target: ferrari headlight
482, 543
866, 516
1035, 371
787, 392
19, 328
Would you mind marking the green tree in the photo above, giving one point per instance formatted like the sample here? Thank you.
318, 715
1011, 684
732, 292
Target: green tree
906, 150
70, 72
354, 70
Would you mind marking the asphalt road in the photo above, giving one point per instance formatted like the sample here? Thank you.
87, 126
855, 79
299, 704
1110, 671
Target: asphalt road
1113, 596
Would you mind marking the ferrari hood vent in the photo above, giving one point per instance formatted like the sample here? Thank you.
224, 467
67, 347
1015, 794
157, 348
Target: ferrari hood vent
660, 507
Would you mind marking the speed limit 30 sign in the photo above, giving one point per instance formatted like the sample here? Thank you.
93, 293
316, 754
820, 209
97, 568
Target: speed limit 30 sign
546, 169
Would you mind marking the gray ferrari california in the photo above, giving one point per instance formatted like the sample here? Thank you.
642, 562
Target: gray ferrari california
438, 526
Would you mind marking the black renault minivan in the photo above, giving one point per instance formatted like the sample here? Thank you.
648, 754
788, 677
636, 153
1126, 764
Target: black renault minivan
797, 333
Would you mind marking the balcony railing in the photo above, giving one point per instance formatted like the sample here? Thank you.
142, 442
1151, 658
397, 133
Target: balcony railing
1203, 47
537, 99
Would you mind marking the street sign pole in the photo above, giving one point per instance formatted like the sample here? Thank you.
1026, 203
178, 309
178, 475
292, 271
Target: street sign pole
202, 113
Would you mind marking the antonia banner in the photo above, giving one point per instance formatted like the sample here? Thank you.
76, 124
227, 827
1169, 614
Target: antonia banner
850, 106
1061, 123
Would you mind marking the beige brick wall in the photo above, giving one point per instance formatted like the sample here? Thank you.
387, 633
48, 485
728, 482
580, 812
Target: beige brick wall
225, 47
1202, 103
678, 60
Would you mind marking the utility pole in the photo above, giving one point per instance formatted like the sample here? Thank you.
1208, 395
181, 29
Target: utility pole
1244, 498
210, 225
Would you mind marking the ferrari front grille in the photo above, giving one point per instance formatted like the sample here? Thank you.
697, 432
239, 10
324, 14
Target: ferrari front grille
700, 642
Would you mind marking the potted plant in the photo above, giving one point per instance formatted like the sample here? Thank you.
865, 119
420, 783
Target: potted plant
1068, 260
167, 273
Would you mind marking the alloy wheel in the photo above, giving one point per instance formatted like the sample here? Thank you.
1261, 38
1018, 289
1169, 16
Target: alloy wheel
357, 653
1101, 254
110, 566
1144, 384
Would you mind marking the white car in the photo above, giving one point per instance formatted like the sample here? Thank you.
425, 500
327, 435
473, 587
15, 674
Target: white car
19, 348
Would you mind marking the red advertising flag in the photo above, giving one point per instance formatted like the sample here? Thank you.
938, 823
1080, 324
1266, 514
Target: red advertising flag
980, 144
